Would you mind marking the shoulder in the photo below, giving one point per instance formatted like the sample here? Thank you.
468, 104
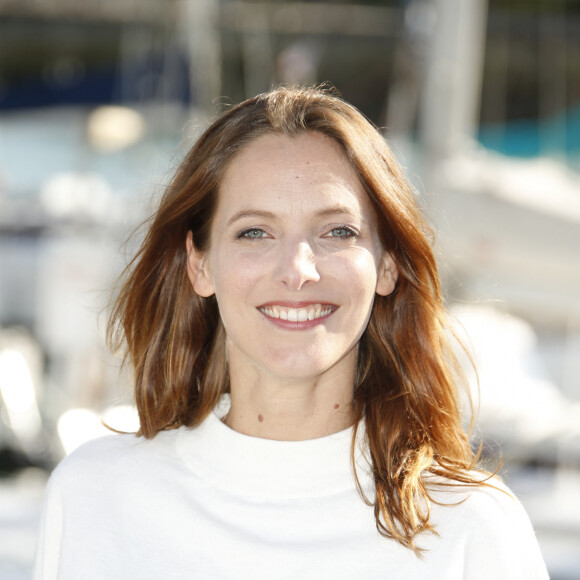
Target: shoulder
100, 452
491, 497
489, 505
492, 527
115, 444
116, 456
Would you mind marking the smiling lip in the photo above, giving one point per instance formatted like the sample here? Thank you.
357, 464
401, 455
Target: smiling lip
303, 313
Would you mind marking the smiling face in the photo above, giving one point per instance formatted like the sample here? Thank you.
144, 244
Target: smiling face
294, 260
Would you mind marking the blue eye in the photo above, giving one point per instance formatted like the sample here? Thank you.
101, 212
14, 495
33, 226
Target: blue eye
341, 232
252, 234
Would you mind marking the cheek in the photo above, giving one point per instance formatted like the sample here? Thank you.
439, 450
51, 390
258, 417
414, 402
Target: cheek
235, 273
359, 271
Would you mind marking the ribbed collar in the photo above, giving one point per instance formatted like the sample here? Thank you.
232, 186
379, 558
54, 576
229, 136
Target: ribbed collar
266, 469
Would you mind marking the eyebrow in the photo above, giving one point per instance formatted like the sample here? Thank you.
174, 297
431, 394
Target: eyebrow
251, 213
256, 213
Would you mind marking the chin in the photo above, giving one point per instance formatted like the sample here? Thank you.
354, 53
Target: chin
302, 367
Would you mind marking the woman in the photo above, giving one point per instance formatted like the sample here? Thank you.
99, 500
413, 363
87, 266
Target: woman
298, 405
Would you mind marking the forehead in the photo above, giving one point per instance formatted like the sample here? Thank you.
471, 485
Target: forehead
309, 169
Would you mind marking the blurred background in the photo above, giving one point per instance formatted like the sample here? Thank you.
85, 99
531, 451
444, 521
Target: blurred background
480, 100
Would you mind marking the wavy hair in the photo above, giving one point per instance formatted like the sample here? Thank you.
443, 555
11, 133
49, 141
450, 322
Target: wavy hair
406, 383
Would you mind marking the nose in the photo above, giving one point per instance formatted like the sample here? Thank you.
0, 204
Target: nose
297, 266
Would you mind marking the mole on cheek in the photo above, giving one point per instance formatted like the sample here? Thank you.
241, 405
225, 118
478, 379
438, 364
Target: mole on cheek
260, 418
336, 405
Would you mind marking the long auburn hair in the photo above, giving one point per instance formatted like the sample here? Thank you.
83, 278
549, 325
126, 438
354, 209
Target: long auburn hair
406, 381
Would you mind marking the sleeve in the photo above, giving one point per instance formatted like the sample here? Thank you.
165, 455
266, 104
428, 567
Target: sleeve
50, 533
501, 544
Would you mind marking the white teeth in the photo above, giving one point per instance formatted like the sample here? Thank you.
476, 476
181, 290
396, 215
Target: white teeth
297, 314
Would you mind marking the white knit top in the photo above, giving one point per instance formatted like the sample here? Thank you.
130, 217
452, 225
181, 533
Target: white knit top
211, 503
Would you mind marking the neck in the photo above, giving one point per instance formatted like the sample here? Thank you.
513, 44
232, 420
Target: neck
290, 410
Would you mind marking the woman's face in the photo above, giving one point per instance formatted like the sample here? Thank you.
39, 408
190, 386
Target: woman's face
294, 259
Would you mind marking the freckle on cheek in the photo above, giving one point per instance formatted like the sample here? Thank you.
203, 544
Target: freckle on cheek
336, 406
260, 418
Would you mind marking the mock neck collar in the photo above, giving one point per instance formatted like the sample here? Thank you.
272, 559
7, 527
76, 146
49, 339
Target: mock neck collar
268, 469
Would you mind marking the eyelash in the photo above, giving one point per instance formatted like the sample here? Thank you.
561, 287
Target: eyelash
350, 233
244, 234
